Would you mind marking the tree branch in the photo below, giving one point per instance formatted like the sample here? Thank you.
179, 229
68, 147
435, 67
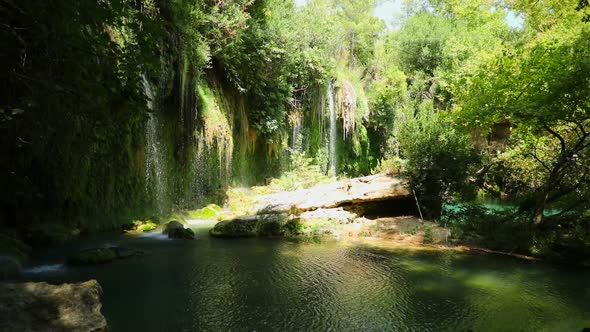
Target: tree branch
540, 161
558, 136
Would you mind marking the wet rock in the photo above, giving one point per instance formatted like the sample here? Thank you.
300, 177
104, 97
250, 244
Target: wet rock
238, 227
172, 225
181, 233
92, 256
43, 307
176, 230
10, 268
102, 255
258, 225
124, 252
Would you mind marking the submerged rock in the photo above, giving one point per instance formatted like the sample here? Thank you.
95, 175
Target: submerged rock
176, 230
39, 306
92, 256
101, 255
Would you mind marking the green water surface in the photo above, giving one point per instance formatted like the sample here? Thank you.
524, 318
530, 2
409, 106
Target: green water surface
274, 285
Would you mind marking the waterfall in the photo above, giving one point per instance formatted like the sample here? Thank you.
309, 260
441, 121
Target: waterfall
332, 166
295, 121
296, 131
154, 159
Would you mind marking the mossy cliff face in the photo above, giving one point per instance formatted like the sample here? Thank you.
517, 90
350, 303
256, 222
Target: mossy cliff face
150, 114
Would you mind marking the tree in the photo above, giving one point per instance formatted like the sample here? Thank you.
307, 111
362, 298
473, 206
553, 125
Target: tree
542, 87
440, 158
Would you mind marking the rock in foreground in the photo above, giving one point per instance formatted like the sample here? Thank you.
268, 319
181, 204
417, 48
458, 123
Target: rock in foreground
39, 306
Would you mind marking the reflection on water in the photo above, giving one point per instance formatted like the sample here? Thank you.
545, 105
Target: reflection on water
46, 268
270, 285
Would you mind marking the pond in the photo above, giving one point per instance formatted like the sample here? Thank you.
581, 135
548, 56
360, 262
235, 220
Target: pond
275, 285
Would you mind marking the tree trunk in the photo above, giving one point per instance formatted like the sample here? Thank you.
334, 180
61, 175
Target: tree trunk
540, 208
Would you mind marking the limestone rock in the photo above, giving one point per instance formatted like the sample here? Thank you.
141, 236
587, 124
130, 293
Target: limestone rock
374, 188
337, 214
43, 307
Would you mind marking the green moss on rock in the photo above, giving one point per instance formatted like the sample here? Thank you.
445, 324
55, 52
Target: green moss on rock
240, 227
210, 211
258, 225
146, 226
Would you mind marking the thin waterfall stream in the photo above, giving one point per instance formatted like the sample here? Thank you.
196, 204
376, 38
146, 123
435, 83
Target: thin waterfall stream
332, 167
154, 159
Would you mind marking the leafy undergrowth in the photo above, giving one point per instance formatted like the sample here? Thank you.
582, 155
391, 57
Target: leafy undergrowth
304, 174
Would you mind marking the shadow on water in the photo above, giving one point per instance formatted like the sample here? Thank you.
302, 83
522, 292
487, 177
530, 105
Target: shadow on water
271, 285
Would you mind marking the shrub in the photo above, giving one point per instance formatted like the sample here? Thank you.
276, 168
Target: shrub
439, 159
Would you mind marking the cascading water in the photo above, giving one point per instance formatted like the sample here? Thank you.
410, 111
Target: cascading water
332, 110
154, 159
296, 132
295, 121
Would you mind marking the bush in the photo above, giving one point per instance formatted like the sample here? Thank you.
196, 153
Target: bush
439, 159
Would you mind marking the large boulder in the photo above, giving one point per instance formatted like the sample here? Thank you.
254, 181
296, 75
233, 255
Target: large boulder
181, 233
172, 225
43, 307
176, 230
238, 227
257, 225
374, 188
